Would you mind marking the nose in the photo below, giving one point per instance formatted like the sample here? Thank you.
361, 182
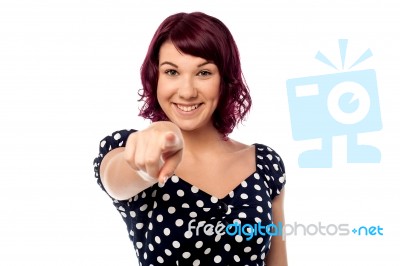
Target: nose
187, 88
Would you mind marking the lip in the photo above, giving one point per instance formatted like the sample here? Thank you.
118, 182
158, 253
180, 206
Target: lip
187, 109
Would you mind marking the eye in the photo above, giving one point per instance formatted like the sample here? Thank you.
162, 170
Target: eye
171, 72
204, 73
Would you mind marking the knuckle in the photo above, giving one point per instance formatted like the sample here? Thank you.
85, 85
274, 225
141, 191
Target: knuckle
140, 165
151, 161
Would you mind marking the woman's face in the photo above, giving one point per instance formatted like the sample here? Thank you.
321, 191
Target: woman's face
187, 89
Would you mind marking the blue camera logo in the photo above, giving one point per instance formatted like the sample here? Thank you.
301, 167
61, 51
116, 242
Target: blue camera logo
325, 106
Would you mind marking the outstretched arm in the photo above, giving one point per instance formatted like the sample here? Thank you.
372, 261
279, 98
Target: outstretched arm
149, 157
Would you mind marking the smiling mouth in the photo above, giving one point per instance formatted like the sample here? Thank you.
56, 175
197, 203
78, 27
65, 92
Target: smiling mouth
187, 108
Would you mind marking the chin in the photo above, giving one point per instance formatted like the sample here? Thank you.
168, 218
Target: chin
187, 128
193, 124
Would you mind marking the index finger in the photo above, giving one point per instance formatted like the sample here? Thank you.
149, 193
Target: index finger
172, 143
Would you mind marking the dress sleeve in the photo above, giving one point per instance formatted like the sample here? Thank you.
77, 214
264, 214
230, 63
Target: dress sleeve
115, 140
273, 169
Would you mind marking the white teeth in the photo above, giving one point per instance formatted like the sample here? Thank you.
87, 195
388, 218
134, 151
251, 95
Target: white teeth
187, 108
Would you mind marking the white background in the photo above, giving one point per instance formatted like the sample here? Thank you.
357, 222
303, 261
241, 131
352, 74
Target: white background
69, 75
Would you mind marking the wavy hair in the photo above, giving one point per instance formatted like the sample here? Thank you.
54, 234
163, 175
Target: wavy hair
204, 36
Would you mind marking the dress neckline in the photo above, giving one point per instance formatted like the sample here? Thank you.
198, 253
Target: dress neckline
256, 146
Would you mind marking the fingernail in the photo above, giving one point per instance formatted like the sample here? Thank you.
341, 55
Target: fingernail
162, 180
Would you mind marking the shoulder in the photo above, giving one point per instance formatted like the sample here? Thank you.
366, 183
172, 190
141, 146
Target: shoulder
110, 142
236, 146
264, 150
114, 140
119, 136
271, 166
269, 156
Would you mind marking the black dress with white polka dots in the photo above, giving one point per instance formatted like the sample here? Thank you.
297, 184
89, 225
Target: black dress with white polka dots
179, 224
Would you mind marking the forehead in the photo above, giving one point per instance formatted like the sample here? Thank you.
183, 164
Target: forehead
168, 52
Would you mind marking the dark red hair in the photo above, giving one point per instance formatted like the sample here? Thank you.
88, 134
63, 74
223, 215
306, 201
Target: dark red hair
204, 36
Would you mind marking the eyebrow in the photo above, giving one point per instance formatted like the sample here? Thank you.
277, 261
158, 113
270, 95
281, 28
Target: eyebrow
172, 64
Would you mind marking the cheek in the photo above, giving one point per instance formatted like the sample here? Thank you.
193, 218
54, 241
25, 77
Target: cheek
216, 92
160, 90
164, 91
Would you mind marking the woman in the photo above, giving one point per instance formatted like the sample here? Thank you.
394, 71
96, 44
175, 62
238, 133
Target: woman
189, 194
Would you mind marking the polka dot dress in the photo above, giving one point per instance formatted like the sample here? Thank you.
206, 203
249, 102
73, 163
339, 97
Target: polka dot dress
179, 224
